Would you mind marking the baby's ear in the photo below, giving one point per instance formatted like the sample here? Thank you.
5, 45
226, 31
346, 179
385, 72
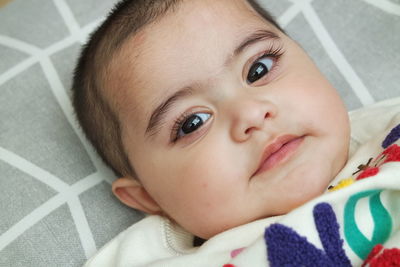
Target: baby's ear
130, 192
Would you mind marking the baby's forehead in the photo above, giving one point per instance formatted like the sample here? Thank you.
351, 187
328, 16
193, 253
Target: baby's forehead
189, 19
185, 32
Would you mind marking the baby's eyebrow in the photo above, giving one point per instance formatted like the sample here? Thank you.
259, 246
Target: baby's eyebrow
159, 112
254, 37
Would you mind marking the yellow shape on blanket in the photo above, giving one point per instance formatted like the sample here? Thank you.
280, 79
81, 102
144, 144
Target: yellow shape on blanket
342, 184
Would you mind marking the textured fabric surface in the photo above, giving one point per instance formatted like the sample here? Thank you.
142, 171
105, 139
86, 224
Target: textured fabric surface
56, 206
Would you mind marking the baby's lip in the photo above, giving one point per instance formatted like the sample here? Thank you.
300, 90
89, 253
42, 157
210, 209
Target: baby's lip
277, 151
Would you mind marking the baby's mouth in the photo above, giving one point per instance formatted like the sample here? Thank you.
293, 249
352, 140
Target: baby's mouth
278, 152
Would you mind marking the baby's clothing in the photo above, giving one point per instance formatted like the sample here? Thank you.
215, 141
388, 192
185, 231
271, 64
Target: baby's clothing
355, 222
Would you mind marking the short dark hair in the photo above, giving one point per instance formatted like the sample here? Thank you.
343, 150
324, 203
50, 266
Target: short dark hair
97, 116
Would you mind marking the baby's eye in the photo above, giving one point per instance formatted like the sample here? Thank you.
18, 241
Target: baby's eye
191, 123
259, 69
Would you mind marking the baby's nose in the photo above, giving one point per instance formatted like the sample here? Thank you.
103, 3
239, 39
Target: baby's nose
250, 115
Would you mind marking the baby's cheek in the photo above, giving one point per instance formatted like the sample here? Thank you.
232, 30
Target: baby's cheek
210, 209
207, 220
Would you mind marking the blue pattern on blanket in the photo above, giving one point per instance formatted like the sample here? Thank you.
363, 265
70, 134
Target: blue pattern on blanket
392, 137
285, 247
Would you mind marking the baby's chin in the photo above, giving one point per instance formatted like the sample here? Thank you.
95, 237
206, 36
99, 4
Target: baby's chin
307, 189
208, 231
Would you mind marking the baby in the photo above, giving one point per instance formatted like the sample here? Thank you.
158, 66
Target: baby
214, 119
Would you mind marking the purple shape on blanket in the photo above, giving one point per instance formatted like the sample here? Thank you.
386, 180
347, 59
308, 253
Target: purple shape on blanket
285, 247
392, 137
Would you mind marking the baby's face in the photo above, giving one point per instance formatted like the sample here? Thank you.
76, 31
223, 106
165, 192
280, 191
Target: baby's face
225, 119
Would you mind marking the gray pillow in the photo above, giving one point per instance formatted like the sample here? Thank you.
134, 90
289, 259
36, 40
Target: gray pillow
56, 206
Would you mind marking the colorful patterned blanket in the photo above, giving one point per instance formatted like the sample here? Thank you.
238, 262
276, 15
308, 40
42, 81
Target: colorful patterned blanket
356, 224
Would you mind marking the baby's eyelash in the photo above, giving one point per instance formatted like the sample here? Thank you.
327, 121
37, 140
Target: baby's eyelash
189, 123
255, 71
274, 51
177, 126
